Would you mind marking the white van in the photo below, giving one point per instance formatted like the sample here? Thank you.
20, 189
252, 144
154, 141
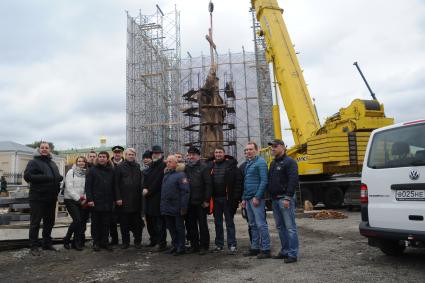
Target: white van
393, 188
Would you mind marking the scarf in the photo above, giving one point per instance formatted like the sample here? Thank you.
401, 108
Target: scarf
78, 171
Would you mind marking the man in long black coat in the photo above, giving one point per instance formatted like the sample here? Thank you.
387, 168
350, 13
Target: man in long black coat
200, 182
43, 176
128, 192
99, 189
152, 193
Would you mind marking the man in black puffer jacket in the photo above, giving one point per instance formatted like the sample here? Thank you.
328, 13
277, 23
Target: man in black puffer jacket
200, 195
99, 189
128, 191
227, 193
43, 176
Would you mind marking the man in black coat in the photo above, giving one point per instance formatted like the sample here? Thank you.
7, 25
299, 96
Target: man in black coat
43, 176
200, 194
99, 189
128, 192
117, 153
152, 192
227, 193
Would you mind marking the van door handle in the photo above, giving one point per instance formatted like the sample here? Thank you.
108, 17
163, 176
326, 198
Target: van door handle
416, 217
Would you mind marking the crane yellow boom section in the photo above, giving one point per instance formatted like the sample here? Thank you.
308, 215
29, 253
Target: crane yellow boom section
302, 116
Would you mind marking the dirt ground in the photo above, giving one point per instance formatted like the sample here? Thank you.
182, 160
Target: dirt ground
330, 251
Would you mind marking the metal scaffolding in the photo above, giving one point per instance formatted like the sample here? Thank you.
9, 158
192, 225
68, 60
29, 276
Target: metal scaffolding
249, 77
157, 78
265, 100
153, 103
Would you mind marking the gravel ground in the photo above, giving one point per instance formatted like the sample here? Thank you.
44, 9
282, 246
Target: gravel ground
330, 251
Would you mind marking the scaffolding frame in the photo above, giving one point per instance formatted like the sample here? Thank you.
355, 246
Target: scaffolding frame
249, 76
153, 81
157, 77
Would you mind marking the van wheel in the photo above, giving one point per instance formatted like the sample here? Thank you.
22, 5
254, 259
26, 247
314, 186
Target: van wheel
391, 248
334, 197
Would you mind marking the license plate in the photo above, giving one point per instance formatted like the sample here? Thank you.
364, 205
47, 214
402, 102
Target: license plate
410, 195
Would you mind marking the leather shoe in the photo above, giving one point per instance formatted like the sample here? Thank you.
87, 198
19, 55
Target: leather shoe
178, 253
263, 255
171, 251
251, 252
108, 248
78, 247
35, 251
162, 248
150, 245
96, 248
279, 256
66, 245
125, 246
49, 248
290, 260
193, 250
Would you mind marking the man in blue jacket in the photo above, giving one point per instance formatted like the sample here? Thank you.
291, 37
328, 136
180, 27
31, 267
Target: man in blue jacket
255, 184
283, 181
175, 193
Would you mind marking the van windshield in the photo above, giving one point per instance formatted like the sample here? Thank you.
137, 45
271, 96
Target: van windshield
398, 147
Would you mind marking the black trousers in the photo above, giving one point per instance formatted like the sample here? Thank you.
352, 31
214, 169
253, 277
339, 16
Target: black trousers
85, 216
41, 210
156, 229
75, 228
199, 235
131, 221
101, 223
175, 225
113, 226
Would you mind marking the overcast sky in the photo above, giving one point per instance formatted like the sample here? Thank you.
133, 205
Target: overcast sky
62, 63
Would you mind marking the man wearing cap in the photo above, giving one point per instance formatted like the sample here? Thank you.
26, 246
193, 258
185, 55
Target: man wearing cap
116, 159
255, 184
152, 192
200, 182
117, 155
283, 181
147, 159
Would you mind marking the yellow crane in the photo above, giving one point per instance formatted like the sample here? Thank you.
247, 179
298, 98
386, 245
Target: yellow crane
336, 147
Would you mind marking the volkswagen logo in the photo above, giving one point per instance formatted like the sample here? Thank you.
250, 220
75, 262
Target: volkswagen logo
414, 175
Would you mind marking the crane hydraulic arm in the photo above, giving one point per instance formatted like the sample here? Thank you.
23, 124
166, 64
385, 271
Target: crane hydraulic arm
338, 146
296, 98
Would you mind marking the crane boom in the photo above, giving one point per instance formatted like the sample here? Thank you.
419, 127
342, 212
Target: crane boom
299, 107
324, 153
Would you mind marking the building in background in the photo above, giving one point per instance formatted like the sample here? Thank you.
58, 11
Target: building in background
14, 157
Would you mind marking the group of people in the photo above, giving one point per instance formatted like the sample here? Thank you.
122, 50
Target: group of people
176, 193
